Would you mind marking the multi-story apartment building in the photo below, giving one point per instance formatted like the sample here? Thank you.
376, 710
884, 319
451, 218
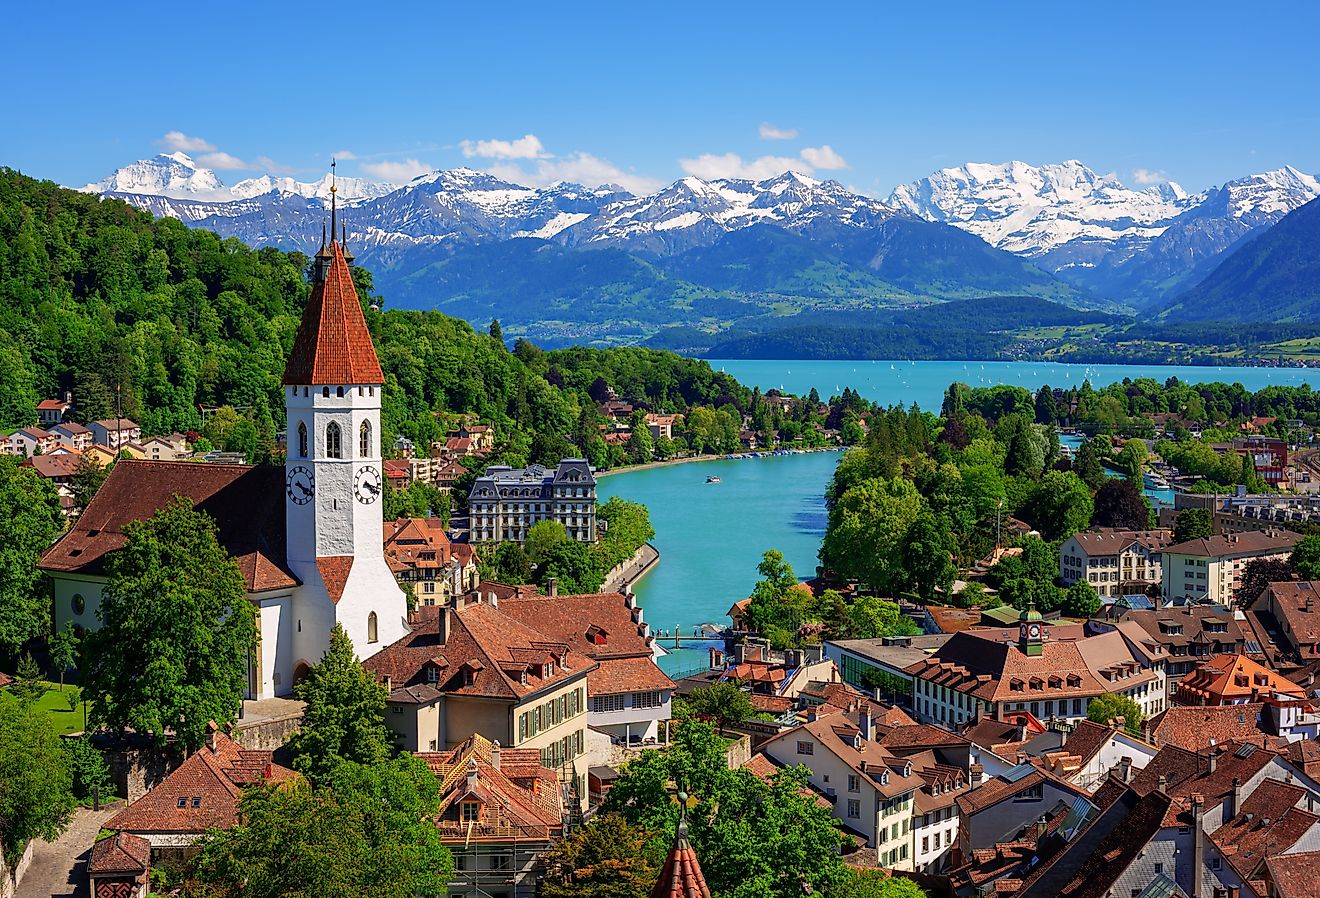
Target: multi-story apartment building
505, 502
1051, 672
467, 668
1114, 561
1190, 634
1211, 569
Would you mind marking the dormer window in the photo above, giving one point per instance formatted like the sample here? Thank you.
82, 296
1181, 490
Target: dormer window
432, 675
547, 670
470, 811
884, 777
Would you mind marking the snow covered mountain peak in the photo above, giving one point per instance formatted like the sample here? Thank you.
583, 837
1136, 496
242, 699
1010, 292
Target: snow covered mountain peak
167, 174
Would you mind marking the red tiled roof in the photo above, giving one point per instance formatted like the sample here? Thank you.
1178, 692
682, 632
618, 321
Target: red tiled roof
46, 405
1195, 728
568, 618
52, 466
1267, 823
516, 793
681, 876
1294, 875
246, 501
333, 345
615, 675
482, 640
209, 784
120, 853
334, 574
1227, 678
1250, 542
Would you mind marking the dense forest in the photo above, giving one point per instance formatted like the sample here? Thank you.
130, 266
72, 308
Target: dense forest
158, 321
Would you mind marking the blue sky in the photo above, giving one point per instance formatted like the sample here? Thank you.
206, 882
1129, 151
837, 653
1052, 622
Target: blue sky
644, 93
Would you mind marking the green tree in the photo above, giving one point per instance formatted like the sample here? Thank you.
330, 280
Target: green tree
511, 564
873, 617
928, 550
1306, 558
30, 508
755, 839
779, 605
875, 884
1080, 600
29, 685
36, 797
345, 715
641, 447
1195, 523
573, 566
496, 332
177, 630
1060, 506
87, 768
86, 480
1131, 459
368, 832
542, 538
722, 703
1120, 503
1111, 705
63, 650
867, 528
1087, 465
607, 858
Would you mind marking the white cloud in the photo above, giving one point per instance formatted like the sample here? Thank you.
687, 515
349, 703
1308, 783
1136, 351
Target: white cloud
344, 155
223, 161
526, 147
710, 166
396, 172
275, 168
1149, 176
770, 132
580, 168
823, 157
178, 142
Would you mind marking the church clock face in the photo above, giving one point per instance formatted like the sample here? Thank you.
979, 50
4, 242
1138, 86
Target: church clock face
300, 485
366, 485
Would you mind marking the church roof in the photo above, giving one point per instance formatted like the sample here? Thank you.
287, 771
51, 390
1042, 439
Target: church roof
681, 876
246, 501
333, 345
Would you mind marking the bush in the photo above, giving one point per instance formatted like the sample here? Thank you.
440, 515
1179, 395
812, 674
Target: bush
88, 767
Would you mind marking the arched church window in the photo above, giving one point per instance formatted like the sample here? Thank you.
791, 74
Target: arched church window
302, 439
340, 392
333, 448
364, 440
325, 392
371, 627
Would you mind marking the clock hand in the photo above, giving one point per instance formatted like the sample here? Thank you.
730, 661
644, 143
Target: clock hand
302, 487
374, 488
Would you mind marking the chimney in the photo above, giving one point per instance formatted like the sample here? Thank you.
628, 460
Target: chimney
716, 659
442, 623
495, 754
1162, 784
552, 587
1214, 760
1198, 843
211, 729
864, 721
1125, 769
472, 774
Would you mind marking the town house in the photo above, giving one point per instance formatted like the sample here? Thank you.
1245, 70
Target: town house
422, 557
1114, 561
115, 433
1211, 569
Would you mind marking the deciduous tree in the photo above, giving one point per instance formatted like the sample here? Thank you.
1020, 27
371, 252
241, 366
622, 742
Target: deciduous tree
1120, 503
30, 509
607, 858
1192, 523
177, 630
722, 703
36, 798
1111, 705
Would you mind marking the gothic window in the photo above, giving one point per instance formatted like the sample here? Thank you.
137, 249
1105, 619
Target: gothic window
302, 440
371, 627
364, 440
332, 441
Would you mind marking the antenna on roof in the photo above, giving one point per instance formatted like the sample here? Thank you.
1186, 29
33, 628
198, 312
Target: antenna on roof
333, 190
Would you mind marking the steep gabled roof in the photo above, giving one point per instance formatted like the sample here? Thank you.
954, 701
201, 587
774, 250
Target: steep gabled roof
246, 501
333, 345
121, 853
1267, 823
1293, 875
1196, 727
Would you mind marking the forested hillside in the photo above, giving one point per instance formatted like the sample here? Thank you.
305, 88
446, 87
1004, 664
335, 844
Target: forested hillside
107, 302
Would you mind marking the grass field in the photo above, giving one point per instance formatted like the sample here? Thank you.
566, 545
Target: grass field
55, 706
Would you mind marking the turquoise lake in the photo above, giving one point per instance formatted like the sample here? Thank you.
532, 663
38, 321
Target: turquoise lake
712, 536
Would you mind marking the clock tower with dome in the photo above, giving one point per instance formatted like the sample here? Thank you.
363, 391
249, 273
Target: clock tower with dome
1031, 631
334, 488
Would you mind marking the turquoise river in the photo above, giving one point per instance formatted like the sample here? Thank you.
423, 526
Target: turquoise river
711, 535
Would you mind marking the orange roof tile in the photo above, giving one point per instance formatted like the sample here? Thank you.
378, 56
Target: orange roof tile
615, 675
334, 574
681, 876
1229, 678
333, 345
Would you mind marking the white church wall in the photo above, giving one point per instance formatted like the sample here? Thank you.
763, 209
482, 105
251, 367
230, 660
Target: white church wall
276, 651
68, 586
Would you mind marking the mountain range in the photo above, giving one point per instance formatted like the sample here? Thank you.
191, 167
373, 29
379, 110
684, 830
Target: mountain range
568, 263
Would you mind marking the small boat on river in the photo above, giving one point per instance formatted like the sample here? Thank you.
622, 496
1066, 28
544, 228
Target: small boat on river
712, 479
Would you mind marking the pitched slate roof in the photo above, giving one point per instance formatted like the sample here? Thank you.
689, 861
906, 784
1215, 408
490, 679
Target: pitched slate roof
483, 645
333, 345
246, 501
203, 792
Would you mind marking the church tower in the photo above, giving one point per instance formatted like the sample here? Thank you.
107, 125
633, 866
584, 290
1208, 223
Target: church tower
334, 484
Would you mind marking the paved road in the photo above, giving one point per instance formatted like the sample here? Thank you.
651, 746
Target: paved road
60, 868
642, 562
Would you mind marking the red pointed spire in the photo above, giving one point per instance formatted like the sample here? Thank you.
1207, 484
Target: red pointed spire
333, 345
681, 876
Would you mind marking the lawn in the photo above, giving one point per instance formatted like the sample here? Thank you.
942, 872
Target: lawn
55, 706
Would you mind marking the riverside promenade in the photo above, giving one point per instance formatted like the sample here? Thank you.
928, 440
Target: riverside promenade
625, 575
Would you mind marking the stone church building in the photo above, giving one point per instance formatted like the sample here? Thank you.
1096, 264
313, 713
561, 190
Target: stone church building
306, 537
